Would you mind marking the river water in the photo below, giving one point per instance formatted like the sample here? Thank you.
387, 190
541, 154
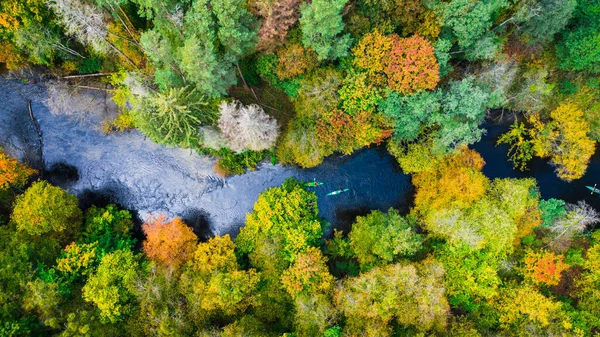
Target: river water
151, 179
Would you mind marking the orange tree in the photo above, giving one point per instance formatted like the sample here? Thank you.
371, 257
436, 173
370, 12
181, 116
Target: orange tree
169, 243
411, 65
544, 268
12, 173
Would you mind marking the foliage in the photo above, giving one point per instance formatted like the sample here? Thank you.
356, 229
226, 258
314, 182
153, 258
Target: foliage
520, 151
111, 287
458, 175
169, 243
547, 18
468, 20
279, 17
411, 294
588, 291
579, 49
13, 173
46, 210
84, 22
380, 239
283, 224
321, 24
571, 146
78, 260
300, 144
463, 108
247, 127
471, 275
408, 113
371, 53
308, 275
552, 209
295, 60
173, 118
544, 268
318, 92
213, 281
411, 65
358, 95
231, 163
525, 306
564, 139
337, 131
109, 226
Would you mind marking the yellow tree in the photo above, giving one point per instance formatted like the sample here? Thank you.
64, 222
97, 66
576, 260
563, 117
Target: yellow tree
458, 176
572, 147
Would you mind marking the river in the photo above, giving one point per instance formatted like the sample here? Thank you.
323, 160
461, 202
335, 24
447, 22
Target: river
146, 178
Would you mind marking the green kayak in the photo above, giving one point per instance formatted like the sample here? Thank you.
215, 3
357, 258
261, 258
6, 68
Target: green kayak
593, 189
338, 191
313, 184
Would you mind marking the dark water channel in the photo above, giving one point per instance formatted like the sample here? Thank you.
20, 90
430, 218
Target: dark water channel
147, 178
550, 186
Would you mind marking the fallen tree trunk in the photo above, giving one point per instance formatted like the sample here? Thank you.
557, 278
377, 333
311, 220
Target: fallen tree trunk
38, 131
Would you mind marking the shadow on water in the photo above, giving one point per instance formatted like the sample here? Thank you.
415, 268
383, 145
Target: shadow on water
199, 221
62, 175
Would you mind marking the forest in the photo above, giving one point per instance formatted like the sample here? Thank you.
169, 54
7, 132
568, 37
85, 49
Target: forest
292, 82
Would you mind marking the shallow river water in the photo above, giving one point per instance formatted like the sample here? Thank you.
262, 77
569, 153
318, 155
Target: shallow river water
146, 178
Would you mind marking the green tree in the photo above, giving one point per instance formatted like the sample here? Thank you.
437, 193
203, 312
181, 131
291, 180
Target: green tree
46, 210
15, 272
173, 118
112, 288
358, 94
321, 24
109, 227
284, 223
237, 30
464, 105
470, 21
409, 113
580, 46
546, 18
413, 295
213, 282
379, 239
471, 275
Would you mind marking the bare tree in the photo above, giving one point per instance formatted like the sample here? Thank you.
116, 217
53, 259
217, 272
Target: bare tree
86, 24
578, 218
247, 127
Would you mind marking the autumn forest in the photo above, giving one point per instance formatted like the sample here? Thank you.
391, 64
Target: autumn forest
290, 83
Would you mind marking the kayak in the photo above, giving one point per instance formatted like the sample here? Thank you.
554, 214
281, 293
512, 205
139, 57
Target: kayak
313, 184
593, 189
338, 191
